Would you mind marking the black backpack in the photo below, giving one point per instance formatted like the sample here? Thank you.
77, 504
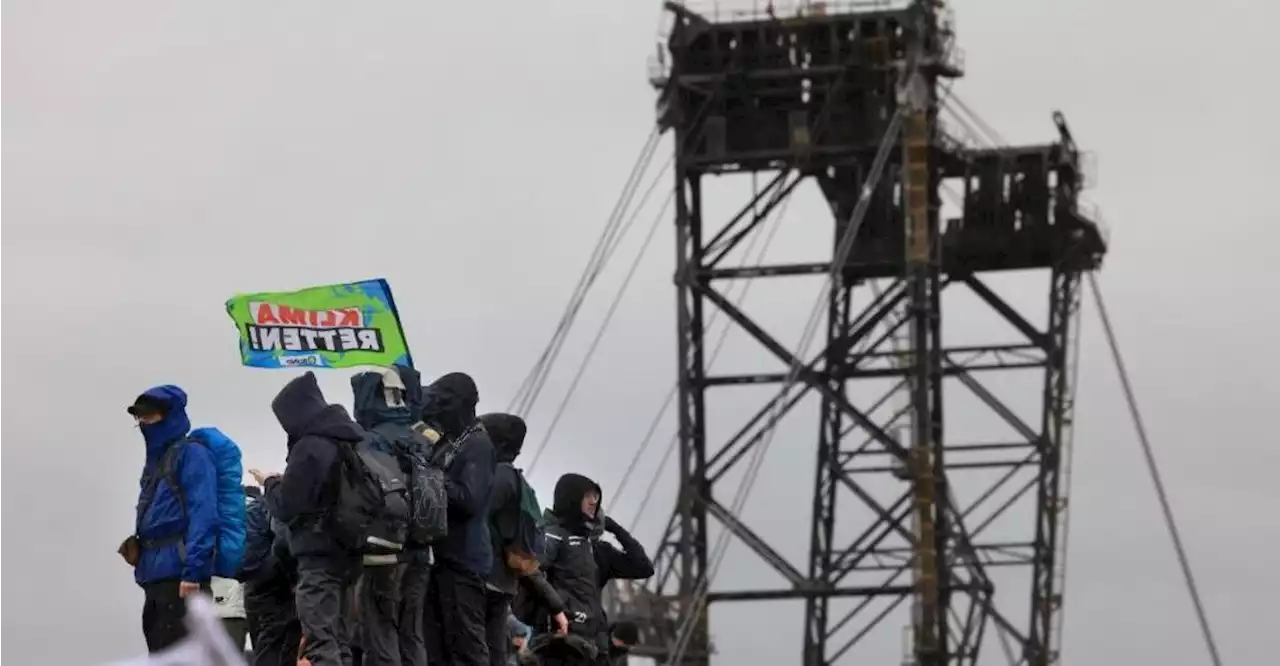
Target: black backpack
371, 510
414, 448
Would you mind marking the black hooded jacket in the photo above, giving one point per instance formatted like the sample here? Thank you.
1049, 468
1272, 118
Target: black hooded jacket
449, 404
507, 432
302, 496
579, 564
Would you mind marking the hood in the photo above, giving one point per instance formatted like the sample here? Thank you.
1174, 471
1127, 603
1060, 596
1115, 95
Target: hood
301, 409
593, 529
450, 403
370, 399
174, 426
507, 432
567, 502
412, 380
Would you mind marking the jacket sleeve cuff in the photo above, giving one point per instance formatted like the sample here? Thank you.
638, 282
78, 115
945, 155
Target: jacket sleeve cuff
189, 576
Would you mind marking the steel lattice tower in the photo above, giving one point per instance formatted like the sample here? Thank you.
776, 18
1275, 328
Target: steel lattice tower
811, 97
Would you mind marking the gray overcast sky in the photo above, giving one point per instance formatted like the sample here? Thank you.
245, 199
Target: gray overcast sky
161, 156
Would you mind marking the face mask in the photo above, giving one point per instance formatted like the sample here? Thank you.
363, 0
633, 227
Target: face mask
393, 390
393, 397
138, 421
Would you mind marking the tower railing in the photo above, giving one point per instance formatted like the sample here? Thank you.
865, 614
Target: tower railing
758, 10
1091, 212
658, 67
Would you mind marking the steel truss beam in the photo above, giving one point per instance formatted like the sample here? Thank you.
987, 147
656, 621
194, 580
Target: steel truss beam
894, 286
855, 443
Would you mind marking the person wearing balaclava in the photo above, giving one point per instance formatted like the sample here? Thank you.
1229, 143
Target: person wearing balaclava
417, 569
455, 617
579, 564
515, 569
302, 499
172, 548
393, 588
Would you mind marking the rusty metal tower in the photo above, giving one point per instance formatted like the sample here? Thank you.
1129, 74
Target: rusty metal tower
815, 94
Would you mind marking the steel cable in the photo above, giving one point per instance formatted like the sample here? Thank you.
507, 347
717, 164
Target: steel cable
993, 139
992, 135
1184, 562
531, 387
608, 318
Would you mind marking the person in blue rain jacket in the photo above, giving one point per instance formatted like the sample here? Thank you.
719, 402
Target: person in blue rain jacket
172, 548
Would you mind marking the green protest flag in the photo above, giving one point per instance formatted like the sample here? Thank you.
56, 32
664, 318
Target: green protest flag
334, 326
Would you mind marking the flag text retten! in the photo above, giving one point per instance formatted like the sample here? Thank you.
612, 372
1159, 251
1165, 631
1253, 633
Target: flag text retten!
285, 328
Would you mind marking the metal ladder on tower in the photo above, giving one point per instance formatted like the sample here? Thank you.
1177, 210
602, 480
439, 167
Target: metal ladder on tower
1059, 574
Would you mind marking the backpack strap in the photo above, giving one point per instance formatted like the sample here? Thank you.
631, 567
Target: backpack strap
166, 471
451, 450
506, 519
169, 472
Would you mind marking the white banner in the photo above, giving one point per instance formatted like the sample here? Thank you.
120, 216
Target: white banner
206, 644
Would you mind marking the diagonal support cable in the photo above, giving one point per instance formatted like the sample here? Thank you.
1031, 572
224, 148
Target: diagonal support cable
1140, 426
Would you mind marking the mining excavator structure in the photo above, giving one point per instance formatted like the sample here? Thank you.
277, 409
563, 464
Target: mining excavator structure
850, 96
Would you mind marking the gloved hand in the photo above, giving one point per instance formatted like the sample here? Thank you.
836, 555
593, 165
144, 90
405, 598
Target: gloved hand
611, 526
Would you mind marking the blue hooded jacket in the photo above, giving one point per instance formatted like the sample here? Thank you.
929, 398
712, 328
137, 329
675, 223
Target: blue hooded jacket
176, 544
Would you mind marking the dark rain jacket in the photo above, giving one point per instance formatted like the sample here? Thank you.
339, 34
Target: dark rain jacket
579, 564
259, 542
268, 564
449, 404
372, 411
177, 528
302, 497
507, 432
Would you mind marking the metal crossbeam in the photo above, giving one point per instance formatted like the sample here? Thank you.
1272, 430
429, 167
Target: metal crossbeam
903, 509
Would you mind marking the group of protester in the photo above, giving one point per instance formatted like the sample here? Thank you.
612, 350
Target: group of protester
399, 533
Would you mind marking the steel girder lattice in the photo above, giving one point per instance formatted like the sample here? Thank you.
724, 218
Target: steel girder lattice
1018, 210
851, 447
